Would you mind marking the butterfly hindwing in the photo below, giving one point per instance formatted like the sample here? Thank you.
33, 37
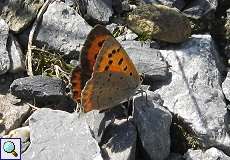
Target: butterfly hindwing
105, 90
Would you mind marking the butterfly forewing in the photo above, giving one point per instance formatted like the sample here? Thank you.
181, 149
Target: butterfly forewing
97, 36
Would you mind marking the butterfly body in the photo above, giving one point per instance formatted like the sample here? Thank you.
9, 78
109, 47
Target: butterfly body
107, 73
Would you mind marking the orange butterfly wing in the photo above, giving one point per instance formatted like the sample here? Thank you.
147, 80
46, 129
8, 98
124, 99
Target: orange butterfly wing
114, 78
81, 74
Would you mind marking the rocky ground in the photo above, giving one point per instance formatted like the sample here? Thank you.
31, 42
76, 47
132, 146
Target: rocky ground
182, 48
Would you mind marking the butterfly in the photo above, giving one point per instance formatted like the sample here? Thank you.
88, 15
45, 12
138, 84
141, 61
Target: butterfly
106, 75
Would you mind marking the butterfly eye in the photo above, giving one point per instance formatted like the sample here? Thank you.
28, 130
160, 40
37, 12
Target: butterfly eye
130, 73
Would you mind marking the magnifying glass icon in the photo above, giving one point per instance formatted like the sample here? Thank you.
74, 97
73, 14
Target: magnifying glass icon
9, 147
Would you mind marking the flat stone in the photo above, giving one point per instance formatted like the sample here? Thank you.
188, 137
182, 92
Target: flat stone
227, 35
62, 28
223, 5
119, 141
179, 4
60, 135
19, 14
174, 156
210, 154
194, 92
158, 22
147, 60
16, 55
98, 122
153, 125
4, 56
42, 89
6, 80
12, 113
197, 8
99, 10
226, 85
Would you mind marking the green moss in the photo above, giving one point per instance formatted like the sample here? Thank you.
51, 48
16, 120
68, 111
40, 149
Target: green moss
134, 2
143, 37
183, 137
50, 64
118, 31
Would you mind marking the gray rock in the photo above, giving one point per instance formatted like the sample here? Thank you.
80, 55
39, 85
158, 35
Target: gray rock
60, 135
179, 4
147, 60
223, 5
226, 86
128, 35
120, 141
126, 6
98, 122
19, 14
210, 154
7, 79
12, 113
42, 89
159, 22
62, 28
16, 55
111, 27
4, 56
124, 33
71, 3
117, 6
153, 125
227, 36
99, 10
227, 119
201, 8
194, 92
174, 156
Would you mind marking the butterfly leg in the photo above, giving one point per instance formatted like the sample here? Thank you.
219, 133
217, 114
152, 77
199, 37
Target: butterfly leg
143, 91
79, 108
125, 111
